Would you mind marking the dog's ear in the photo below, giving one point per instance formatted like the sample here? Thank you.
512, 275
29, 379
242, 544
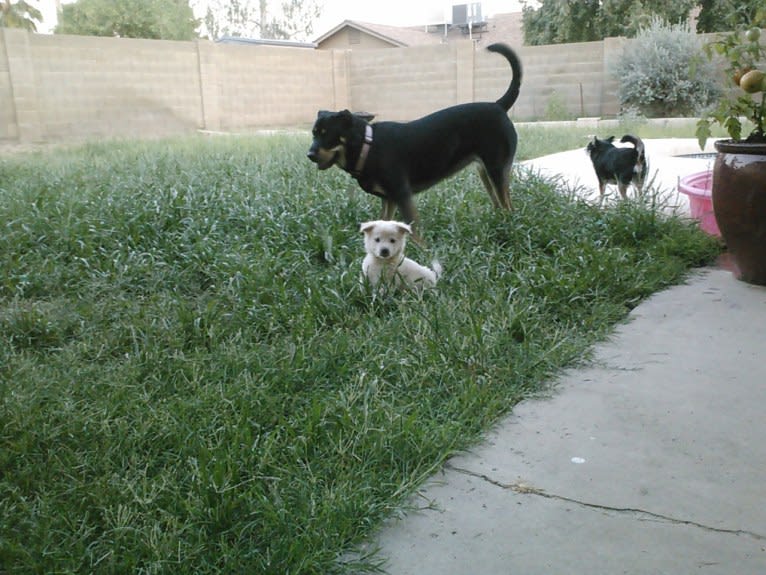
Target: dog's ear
610, 139
366, 227
323, 113
404, 227
346, 116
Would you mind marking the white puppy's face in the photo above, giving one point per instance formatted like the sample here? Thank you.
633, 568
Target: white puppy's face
385, 239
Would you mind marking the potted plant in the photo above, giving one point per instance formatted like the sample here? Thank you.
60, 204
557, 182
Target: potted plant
739, 171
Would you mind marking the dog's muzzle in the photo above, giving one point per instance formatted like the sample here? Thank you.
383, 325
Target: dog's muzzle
321, 157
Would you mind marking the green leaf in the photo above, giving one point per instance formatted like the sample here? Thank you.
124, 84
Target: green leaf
733, 126
703, 132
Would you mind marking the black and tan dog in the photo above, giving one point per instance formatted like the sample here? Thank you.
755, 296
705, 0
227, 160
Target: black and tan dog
621, 166
394, 160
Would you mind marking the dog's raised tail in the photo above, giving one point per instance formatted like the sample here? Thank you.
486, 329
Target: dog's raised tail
512, 93
639, 145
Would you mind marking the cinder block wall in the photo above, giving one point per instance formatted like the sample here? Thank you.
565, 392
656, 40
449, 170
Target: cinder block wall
76, 87
267, 86
573, 74
92, 87
81, 86
405, 83
409, 82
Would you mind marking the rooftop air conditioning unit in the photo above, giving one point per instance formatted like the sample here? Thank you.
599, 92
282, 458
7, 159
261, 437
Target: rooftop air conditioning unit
464, 14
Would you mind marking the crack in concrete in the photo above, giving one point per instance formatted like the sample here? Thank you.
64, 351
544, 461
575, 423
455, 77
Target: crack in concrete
526, 489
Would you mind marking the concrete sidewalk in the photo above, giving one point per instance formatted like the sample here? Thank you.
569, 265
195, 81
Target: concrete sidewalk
652, 460
669, 160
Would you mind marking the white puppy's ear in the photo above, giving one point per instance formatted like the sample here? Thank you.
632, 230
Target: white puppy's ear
404, 227
366, 226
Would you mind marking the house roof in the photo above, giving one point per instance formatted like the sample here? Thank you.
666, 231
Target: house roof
264, 42
395, 35
500, 27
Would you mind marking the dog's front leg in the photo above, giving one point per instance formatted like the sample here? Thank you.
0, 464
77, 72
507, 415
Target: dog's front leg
409, 214
388, 209
490, 187
403, 199
408, 211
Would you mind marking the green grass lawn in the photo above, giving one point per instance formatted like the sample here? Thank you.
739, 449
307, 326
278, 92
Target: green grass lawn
193, 379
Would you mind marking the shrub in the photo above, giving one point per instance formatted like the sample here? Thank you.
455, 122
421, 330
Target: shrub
663, 72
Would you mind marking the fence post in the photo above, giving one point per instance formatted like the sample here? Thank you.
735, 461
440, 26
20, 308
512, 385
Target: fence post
8, 126
209, 84
23, 83
610, 103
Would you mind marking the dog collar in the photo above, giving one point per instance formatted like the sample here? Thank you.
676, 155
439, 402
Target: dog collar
365, 149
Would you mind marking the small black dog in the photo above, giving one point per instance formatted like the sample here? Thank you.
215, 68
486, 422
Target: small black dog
621, 166
394, 160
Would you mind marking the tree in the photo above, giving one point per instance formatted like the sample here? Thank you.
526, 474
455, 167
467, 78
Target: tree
283, 20
726, 15
19, 15
562, 21
297, 21
159, 19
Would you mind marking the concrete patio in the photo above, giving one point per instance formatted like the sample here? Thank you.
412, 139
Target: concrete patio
650, 460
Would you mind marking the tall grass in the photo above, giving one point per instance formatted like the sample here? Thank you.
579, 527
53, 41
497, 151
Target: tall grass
194, 380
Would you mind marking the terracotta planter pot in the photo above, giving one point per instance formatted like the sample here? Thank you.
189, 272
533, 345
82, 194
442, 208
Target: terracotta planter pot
739, 203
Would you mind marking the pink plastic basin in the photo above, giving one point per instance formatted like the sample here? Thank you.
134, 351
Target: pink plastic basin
697, 187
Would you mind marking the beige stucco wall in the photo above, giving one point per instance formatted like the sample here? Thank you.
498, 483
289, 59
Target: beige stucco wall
76, 87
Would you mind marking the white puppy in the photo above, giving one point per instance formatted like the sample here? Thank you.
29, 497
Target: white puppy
384, 242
